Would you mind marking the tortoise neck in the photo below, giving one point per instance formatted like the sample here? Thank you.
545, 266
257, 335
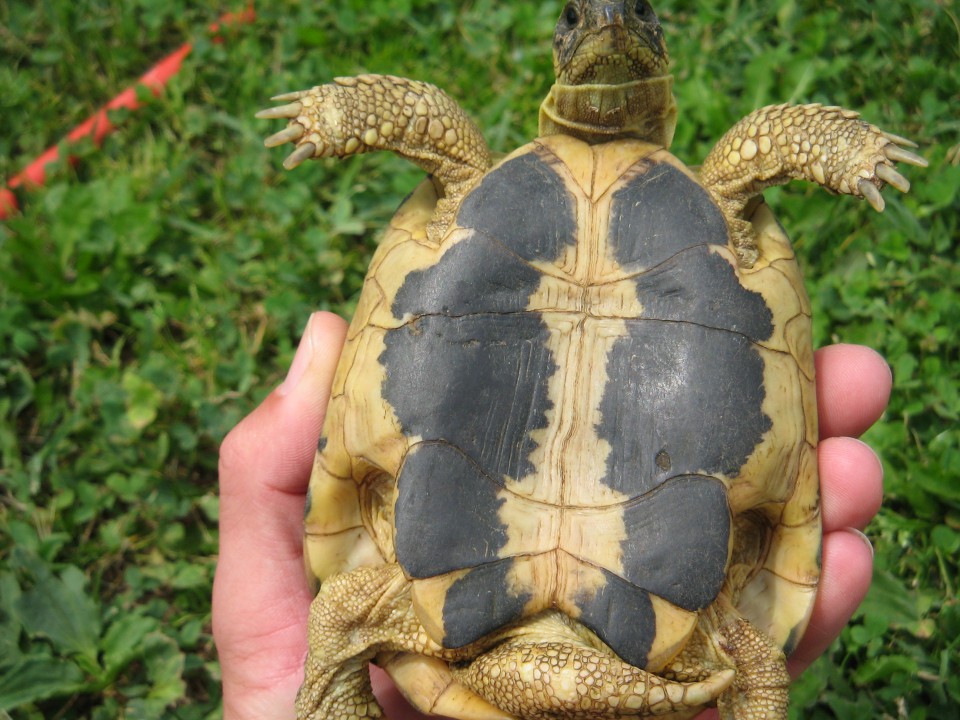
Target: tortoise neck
642, 109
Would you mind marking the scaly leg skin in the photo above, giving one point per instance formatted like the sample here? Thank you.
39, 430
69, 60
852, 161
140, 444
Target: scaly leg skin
546, 671
353, 617
826, 145
724, 639
761, 690
367, 611
416, 120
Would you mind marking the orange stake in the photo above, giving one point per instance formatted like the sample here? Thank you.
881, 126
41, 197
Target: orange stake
98, 125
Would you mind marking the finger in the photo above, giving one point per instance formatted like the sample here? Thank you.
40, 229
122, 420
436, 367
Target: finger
851, 483
853, 387
271, 447
260, 595
845, 579
265, 461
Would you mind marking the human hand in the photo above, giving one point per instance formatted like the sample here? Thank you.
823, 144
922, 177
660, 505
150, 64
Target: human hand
260, 593
261, 598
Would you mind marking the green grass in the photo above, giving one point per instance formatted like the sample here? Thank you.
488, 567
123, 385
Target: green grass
152, 295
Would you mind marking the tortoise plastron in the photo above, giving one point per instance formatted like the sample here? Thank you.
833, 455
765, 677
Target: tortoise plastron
568, 467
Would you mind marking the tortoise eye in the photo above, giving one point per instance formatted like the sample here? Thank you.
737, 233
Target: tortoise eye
571, 15
643, 9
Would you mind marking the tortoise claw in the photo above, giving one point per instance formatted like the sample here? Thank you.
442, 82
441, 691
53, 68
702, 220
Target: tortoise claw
871, 195
898, 140
898, 154
290, 96
280, 112
298, 156
891, 176
292, 133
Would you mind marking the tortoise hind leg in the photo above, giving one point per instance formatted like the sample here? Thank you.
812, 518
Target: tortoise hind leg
337, 683
416, 120
354, 616
761, 688
367, 614
530, 674
546, 671
830, 146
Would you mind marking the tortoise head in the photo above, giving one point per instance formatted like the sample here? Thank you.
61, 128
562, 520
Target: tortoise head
608, 42
612, 78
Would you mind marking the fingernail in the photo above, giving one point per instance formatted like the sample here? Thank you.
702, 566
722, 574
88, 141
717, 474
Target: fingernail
301, 361
859, 534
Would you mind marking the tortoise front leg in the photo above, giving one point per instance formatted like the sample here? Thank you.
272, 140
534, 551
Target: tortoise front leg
830, 146
416, 120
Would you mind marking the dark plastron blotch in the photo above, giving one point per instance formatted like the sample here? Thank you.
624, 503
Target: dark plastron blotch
676, 549
469, 377
683, 403
691, 349
658, 213
525, 205
442, 482
679, 273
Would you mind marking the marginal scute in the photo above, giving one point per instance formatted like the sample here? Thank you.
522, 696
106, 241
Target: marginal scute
804, 504
789, 558
775, 606
369, 447
797, 334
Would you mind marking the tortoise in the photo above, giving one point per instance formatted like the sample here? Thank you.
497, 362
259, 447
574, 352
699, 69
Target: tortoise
568, 467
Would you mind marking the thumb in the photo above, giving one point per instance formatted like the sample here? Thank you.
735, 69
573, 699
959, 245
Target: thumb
270, 449
260, 595
265, 461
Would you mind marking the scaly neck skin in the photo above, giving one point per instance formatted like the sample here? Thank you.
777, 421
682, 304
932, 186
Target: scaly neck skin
642, 109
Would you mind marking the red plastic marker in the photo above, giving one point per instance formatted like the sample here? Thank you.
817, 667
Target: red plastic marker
99, 125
